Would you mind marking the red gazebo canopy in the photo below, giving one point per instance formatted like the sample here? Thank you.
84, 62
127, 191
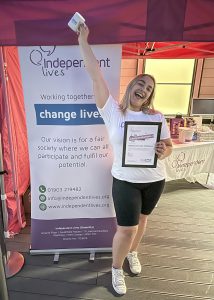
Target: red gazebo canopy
138, 23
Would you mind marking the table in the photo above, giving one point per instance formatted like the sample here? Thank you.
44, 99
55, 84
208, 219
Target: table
189, 159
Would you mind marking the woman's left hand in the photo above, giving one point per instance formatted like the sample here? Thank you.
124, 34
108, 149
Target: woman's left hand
160, 149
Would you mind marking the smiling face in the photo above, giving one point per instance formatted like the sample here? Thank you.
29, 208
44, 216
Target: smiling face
141, 93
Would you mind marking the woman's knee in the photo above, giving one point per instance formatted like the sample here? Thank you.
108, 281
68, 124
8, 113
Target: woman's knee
143, 218
128, 231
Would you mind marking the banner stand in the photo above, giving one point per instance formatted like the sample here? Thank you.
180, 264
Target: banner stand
70, 154
57, 252
92, 256
73, 250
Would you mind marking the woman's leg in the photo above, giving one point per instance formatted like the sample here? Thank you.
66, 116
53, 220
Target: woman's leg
140, 232
150, 194
127, 204
134, 263
122, 242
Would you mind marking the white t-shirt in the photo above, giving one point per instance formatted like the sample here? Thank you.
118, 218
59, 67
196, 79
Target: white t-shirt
114, 120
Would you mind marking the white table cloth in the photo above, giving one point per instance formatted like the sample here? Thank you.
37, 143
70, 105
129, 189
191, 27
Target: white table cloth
189, 159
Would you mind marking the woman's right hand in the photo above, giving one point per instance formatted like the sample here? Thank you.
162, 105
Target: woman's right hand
83, 33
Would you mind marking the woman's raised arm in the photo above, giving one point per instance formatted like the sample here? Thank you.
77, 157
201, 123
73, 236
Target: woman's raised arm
100, 87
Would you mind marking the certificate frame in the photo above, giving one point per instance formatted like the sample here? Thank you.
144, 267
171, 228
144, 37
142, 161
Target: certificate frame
140, 138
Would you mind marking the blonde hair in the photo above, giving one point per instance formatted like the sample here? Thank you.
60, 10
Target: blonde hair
148, 108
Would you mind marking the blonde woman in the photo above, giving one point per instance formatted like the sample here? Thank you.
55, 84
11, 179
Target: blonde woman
135, 191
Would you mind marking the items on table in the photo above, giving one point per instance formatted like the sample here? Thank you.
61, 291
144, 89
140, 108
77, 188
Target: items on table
185, 134
175, 123
195, 123
205, 134
190, 128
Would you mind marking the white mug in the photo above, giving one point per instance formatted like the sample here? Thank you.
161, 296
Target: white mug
75, 21
189, 135
181, 137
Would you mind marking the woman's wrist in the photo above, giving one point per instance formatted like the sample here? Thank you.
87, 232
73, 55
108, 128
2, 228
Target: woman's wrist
166, 153
82, 41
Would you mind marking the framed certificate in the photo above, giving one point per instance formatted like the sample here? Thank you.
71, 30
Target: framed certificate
139, 144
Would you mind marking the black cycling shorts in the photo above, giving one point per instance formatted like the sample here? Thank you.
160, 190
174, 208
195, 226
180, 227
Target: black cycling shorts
132, 199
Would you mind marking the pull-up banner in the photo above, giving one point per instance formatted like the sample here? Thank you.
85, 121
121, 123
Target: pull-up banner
70, 155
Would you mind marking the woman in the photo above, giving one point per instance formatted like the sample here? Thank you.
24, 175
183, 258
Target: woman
135, 190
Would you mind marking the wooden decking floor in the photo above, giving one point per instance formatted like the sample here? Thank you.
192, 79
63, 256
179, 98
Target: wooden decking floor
176, 255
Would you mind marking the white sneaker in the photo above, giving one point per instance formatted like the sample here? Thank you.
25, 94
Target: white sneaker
118, 281
134, 263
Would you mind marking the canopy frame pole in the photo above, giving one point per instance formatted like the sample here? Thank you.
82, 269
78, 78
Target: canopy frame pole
3, 283
13, 261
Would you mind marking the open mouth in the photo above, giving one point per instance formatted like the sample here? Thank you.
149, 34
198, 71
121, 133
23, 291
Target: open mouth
140, 95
